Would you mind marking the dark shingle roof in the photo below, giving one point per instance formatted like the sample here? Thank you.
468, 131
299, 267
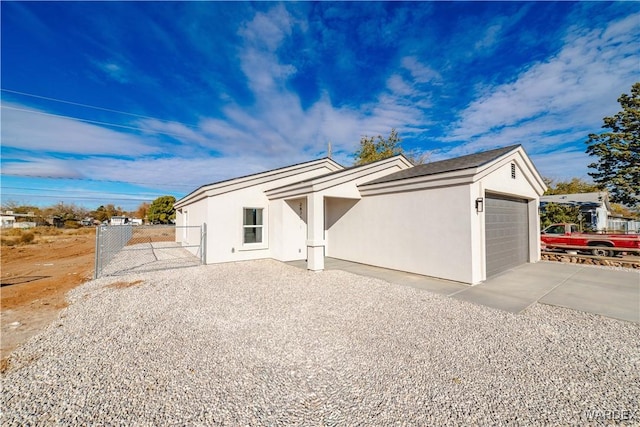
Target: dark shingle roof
459, 163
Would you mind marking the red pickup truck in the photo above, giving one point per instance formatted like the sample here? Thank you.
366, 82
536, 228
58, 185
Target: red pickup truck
567, 236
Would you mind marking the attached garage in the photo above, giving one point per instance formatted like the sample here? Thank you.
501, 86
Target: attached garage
506, 233
463, 219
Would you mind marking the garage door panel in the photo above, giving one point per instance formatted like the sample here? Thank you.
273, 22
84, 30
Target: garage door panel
506, 233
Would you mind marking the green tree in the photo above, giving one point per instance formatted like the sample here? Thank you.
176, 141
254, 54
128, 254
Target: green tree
618, 151
377, 148
574, 186
554, 213
161, 210
104, 213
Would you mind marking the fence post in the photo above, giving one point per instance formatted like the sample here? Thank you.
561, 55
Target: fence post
203, 244
97, 267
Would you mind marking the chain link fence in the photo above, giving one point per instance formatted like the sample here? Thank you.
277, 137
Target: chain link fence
123, 249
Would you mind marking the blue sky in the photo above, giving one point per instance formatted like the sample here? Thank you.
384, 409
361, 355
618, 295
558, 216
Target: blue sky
121, 102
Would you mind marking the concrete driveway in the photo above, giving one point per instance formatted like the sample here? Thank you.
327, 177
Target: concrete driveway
611, 293
608, 292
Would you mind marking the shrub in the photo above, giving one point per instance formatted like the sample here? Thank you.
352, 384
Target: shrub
27, 237
7, 242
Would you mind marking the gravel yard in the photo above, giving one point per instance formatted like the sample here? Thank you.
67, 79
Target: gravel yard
264, 343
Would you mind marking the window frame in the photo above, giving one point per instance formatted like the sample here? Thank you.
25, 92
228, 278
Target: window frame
259, 227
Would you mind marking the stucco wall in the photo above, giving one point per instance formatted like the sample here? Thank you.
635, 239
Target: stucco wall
225, 226
288, 222
500, 181
425, 232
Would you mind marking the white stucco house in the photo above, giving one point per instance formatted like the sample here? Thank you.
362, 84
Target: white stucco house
118, 220
7, 219
462, 219
596, 211
594, 206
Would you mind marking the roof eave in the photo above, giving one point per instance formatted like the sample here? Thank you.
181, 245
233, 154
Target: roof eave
323, 182
207, 190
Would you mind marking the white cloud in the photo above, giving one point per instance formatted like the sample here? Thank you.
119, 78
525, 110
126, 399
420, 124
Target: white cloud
267, 30
31, 129
277, 124
558, 101
491, 36
41, 167
179, 131
275, 131
180, 174
563, 165
114, 71
421, 73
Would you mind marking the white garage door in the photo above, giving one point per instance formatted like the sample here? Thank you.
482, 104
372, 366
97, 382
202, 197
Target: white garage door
506, 233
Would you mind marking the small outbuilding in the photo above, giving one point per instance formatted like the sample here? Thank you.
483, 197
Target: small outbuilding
463, 219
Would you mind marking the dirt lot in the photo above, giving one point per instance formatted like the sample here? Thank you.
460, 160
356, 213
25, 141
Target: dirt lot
35, 278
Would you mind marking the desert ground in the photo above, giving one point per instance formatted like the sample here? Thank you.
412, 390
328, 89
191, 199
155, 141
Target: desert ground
35, 278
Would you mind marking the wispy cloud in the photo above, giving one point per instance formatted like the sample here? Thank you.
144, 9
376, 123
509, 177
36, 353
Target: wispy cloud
420, 72
567, 94
114, 71
276, 124
491, 36
563, 164
41, 166
35, 130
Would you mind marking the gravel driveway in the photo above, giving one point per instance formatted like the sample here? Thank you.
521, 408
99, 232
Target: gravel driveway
264, 343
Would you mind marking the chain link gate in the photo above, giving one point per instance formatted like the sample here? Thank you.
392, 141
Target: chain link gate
123, 249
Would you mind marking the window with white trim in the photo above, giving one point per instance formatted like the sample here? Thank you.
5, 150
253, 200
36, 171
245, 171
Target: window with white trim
252, 225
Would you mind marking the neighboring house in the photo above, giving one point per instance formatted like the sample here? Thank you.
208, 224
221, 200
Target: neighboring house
15, 220
463, 219
8, 219
118, 220
123, 220
594, 207
55, 221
